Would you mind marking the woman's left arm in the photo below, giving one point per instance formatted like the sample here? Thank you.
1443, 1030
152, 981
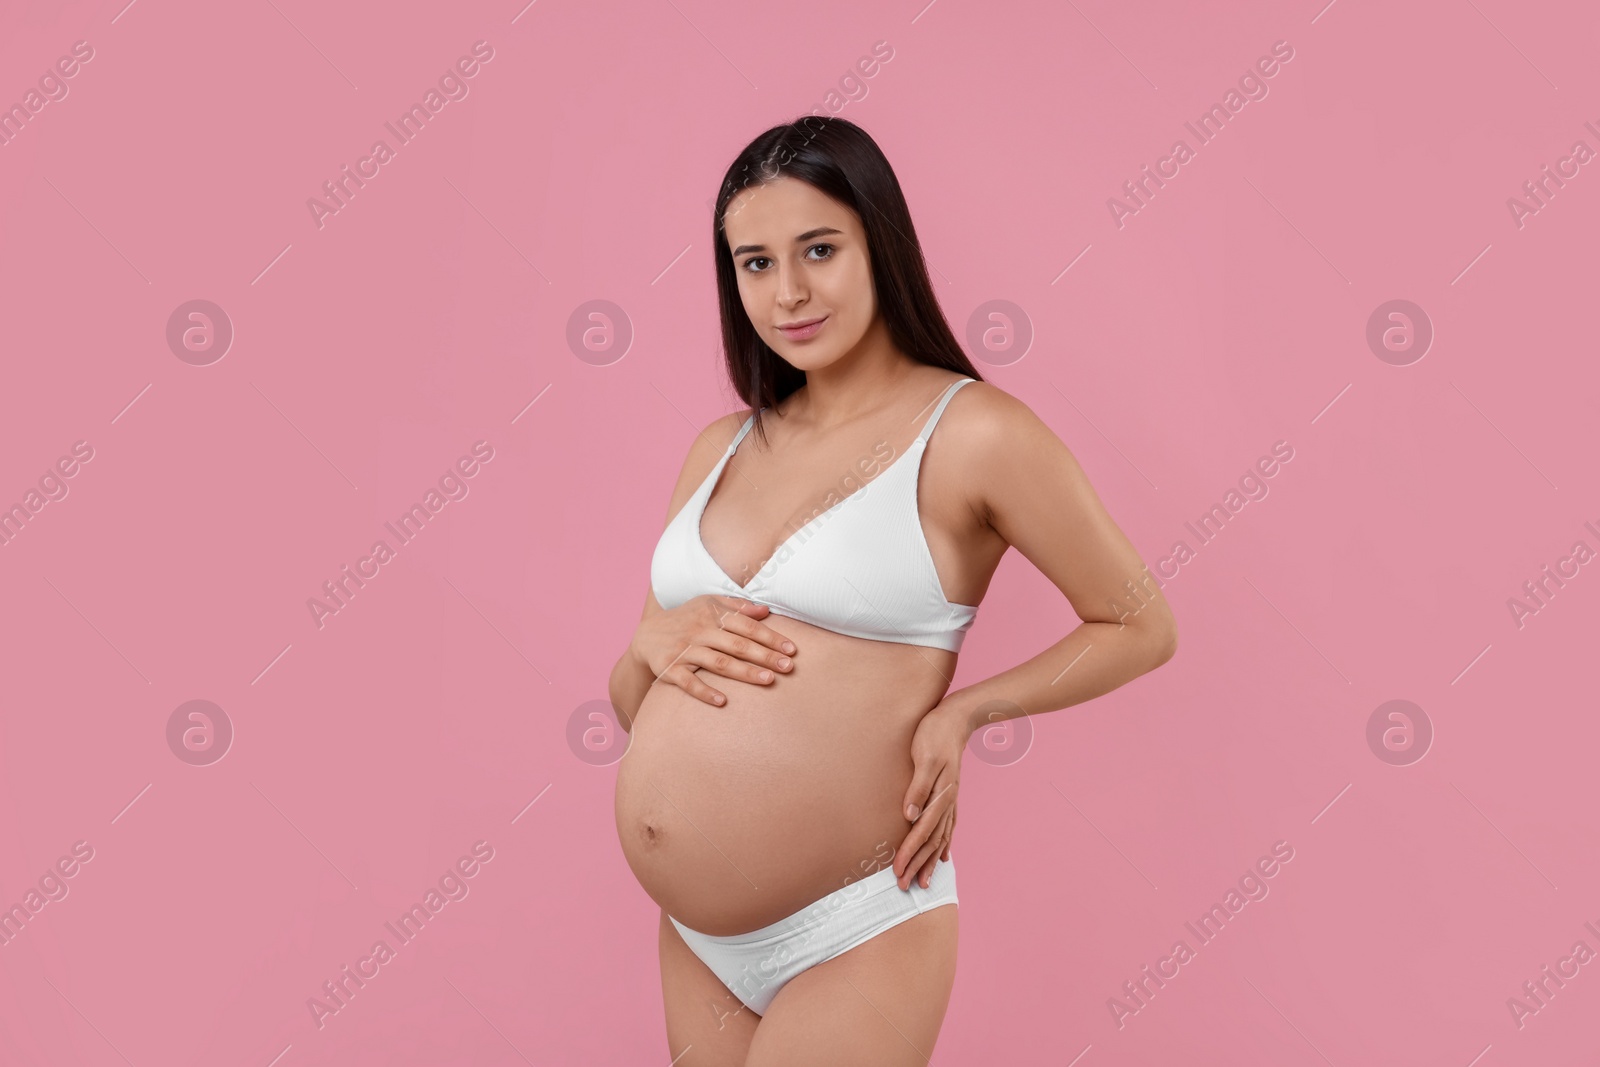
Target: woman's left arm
1030, 490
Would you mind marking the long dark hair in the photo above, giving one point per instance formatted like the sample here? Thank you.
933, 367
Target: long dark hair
840, 160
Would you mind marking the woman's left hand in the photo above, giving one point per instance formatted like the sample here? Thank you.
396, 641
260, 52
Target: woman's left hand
930, 802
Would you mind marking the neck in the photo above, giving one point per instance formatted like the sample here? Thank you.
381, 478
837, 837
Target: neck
855, 385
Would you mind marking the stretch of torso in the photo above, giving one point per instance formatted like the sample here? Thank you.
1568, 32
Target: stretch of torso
733, 817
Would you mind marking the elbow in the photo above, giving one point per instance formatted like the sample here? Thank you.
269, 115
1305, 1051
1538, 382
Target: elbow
620, 704
1164, 644
624, 715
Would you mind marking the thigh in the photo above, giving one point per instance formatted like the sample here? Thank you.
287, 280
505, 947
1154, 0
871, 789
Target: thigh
707, 1026
879, 1004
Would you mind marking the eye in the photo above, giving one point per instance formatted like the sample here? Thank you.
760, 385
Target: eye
749, 265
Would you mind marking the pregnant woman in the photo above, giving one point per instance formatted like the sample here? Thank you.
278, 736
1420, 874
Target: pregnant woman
789, 790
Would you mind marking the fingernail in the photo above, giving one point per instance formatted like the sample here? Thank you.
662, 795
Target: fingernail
912, 811
783, 662
788, 646
765, 676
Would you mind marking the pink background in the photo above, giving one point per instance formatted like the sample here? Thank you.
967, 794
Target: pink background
433, 309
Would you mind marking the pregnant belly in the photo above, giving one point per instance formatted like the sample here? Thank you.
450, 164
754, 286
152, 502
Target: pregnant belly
734, 817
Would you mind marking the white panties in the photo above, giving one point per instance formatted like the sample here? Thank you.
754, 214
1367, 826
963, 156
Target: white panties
757, 964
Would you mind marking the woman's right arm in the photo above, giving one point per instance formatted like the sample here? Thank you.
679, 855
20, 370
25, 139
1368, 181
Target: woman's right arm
631, 679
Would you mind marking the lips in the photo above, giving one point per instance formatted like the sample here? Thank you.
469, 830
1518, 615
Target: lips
803, 329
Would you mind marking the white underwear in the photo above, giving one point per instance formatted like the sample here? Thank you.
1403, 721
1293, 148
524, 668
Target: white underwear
755, 965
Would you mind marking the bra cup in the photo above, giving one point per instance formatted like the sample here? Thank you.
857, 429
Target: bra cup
862, 567
678, 570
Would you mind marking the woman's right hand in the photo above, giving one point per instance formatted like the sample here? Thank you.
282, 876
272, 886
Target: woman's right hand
716, 633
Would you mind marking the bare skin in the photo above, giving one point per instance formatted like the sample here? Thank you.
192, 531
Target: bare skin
735, 815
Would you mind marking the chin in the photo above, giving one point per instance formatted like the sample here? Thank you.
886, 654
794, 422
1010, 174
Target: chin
804, 357
808, 361
812, 362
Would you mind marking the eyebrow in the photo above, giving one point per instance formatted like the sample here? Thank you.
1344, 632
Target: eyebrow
820, 231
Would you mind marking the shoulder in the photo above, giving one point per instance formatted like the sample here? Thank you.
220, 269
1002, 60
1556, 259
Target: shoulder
712, 440
1017, 471
995, 442
705, 451
718, 434
987, 421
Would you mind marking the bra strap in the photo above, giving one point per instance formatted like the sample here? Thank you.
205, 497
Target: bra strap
751, 421
927, 427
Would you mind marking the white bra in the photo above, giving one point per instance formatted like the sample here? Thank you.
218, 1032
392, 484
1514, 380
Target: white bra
860, 568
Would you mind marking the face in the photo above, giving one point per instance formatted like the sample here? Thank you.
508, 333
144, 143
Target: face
801, 256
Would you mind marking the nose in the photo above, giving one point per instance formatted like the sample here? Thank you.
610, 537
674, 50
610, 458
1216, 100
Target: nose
791, 286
